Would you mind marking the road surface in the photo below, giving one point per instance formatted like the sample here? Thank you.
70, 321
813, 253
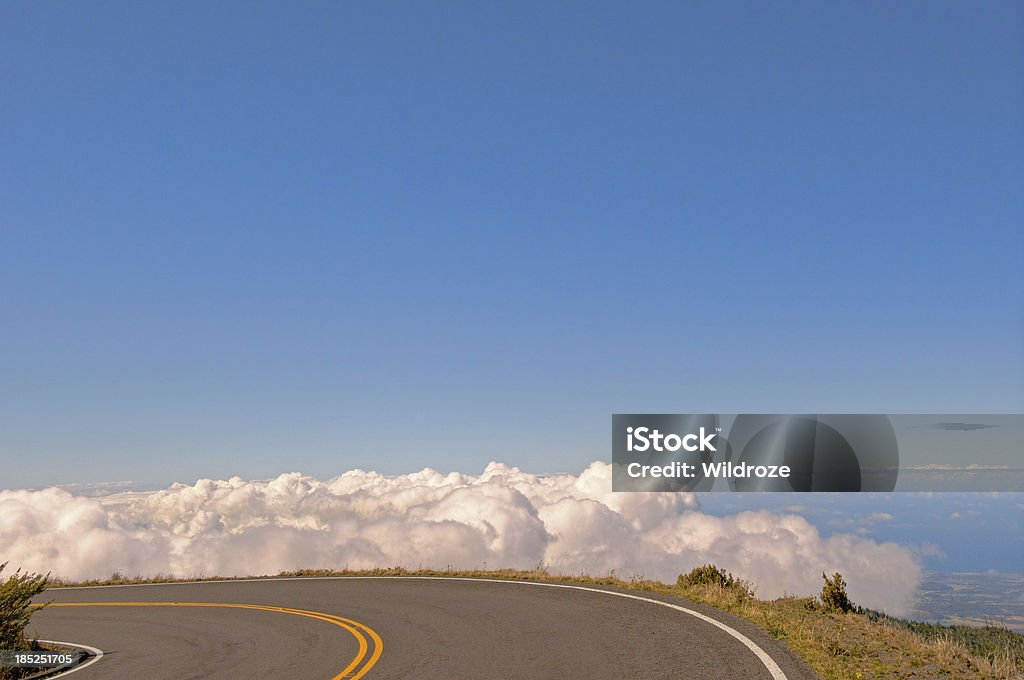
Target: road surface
395, 628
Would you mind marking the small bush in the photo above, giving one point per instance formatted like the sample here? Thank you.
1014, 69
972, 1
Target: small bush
710, 575
16, 594
833, 594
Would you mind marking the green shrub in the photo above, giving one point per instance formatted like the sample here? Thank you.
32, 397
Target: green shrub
16, 594
833, 594
710, 575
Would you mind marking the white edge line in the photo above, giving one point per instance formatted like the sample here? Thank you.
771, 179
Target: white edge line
96, 656
763, 656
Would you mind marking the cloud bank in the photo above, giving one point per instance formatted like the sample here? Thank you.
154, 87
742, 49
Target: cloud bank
501, 518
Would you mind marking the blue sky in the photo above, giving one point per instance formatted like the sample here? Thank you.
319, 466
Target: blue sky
242, 240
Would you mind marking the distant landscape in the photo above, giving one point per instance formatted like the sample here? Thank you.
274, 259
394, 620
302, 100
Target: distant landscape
971, 599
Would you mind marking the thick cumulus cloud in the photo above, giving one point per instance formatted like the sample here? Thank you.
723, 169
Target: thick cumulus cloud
502, 518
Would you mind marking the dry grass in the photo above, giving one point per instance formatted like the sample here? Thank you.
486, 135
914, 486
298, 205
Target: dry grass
840, 646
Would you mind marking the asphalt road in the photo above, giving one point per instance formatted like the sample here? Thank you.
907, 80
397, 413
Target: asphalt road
397, 628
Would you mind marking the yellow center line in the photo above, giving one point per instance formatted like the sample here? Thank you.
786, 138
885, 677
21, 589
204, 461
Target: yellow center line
378, 643
353, 627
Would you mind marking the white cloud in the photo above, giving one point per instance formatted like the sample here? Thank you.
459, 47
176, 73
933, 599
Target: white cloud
928, 549
501, 518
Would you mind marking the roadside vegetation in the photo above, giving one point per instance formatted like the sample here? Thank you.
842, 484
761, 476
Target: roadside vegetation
840, 640
16, 593
836, 638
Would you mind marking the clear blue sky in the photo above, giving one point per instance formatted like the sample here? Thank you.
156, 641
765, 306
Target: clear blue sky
241, 239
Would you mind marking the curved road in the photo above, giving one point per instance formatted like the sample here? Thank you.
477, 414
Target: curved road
404, 627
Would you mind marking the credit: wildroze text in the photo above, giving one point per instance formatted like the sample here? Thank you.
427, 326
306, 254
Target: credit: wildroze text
643, 439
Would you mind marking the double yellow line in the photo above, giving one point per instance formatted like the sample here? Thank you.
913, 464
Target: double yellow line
351, 672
